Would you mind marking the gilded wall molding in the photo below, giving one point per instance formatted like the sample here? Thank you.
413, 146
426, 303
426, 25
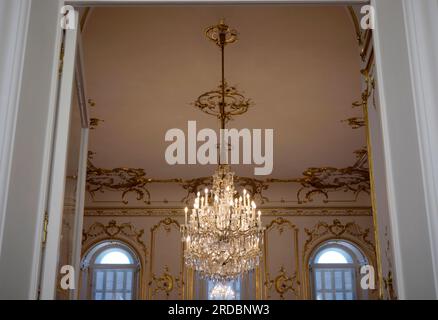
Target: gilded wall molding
112, 230
337, 230
282, 282
267, 212
324, 231
165, 282
388, 281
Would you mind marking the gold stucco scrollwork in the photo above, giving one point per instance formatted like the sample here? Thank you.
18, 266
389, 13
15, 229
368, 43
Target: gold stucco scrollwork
113, 230
337, 230
355, 122
283, 283
324, 180
164, 283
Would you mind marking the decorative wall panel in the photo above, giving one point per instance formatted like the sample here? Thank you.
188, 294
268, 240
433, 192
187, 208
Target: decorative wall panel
281, 262
166, 269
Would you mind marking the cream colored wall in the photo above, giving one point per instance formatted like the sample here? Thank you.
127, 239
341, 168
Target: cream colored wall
291, 236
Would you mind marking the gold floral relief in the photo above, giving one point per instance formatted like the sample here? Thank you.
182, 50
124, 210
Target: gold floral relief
337, 230
112, 230
314, 181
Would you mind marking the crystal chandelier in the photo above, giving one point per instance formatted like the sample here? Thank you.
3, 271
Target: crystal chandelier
223, 232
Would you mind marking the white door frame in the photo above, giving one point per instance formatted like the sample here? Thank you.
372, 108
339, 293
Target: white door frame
55, 205
409, 125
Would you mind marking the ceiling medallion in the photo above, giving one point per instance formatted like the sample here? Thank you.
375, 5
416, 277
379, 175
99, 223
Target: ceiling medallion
223, 233
226, 101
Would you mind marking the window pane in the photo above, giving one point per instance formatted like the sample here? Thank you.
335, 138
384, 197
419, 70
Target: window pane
128, 296
120, 277
99, 280
115, 258
338, 280
333, 255
319, 296
119, 296
328, 279
339, 296
98, 296
109, 280
349, 296
328, 296
129, 280
318, 283
108, 296
348, 279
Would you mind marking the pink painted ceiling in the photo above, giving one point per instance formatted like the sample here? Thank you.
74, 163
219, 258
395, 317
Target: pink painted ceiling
299, 64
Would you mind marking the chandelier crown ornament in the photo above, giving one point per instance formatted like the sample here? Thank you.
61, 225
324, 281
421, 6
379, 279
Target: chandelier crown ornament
223, 232
225, 101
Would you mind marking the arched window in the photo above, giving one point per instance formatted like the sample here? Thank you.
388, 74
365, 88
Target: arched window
112, 272
334, 269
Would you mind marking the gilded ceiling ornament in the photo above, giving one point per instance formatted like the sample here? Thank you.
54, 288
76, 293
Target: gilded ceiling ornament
221, 34
235, 103
94, 122
125, 180
324, 180
315, 181
91, 103
226, 101
113, 230
267, 212
356, 122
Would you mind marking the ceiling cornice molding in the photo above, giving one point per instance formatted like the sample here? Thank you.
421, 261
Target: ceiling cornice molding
268, 211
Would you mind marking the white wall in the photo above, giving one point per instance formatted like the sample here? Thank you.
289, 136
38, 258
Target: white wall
406, 188
25, 204
13, 24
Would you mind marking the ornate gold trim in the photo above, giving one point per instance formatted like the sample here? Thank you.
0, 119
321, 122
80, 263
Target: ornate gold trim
165, 282
112, 231
315, 181
267, 212
338, 230
281, 282
125, 233
156, 284
355, 122
324, 231
324, 180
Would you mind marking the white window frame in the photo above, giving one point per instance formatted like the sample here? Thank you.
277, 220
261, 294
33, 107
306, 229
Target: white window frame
90, 267
358, 260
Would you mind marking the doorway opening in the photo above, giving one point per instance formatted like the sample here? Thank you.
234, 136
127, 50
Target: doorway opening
310, 71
